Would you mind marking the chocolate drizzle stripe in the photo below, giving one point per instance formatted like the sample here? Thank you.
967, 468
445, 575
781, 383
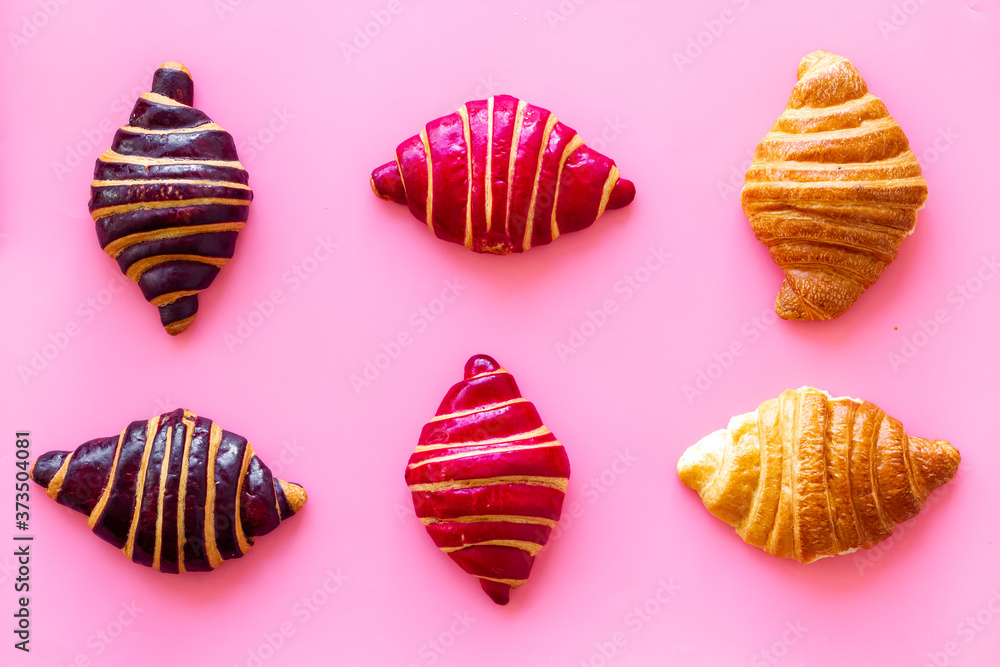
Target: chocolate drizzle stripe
559, 483
211, 547
164, 469
488, 178
55, 484
512, 161
241, 536
112, 155
152, 426
481, 408
499, 450
527, 435
530, 222
463, 113
188, 421
531, 547
136, 270
95, 514
204, 127
573, 144
609, 184
118, 246
107, 211
172, 181
484, 518
430, 177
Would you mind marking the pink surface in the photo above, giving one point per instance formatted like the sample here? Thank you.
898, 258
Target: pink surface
639, 571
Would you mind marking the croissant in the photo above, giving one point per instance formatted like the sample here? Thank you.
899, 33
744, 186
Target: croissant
500, 176
807, 476
832, 190
488, 478
170, 197
175, 493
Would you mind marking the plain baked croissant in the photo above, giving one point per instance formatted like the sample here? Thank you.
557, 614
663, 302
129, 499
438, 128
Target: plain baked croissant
488, 478
170, 197
832, 191
500, 176
807, 476
175, 493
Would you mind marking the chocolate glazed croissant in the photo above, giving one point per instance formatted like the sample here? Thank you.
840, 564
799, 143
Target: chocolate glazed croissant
170, 197
175, 493
488, 478
807, 476
832, 191
500, 176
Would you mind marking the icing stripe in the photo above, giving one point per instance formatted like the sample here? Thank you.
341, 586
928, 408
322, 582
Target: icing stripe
162, 99
430, 178
512, 160
99, 213
188, 421
482, 408
530, 224
531, 547
204, 127
513, 583
55, 484
170, 297
164, 469
211, 547
559, 483
488, 177
140, 267
485, 518
152, 426
241, 536
111, 155
499, 450
463, 113
171, 181
609, 184
527, 435
573, 144
117, 246
95, 514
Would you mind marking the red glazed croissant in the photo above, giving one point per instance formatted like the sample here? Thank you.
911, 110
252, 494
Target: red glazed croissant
175, 493
500, 176
488, 478
806, 476
169, 198
833, 190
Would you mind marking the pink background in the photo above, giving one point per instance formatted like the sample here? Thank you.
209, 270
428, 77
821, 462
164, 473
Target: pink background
275, 74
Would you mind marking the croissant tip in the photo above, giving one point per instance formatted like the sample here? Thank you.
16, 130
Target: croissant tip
498, 592
387, 183
295, 495
174, 65
622, 194
479, 364
813, 60
699, 463
179, 326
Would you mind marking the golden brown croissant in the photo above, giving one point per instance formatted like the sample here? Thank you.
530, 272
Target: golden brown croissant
807, 476
832, 190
